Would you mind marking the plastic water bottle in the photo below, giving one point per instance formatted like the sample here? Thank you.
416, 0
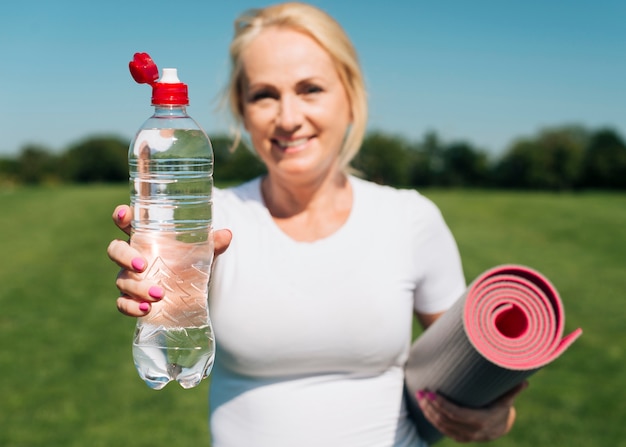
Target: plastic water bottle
171, 168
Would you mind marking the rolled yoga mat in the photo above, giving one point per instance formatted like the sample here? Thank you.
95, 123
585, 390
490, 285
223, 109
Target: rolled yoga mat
507, 325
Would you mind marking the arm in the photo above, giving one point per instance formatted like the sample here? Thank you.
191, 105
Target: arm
427, 319
137, 294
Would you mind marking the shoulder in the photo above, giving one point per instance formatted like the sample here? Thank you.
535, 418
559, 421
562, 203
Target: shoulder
405, 216
233, 203
411, 230
395, 202
243, 192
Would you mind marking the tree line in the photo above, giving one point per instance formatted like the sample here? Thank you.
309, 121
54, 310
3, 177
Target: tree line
559, 158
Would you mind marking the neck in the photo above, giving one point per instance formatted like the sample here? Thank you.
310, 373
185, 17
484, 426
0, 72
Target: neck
286, 198
308, 211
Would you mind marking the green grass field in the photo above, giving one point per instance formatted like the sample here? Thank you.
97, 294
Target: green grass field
67, 377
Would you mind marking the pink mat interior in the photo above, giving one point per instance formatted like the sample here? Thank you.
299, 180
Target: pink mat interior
514, 317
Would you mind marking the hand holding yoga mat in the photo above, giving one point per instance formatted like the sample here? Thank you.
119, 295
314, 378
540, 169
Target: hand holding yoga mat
507, 325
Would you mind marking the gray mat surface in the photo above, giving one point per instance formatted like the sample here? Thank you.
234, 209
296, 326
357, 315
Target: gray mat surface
506, 326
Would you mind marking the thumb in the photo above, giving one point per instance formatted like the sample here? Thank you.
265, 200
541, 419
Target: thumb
222, 240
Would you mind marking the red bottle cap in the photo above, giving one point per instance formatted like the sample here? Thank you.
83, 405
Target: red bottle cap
168, 91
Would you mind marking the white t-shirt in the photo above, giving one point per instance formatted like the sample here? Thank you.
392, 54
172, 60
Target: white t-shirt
312, 337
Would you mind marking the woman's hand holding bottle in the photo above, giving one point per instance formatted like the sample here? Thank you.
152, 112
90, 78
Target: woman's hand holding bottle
136, 293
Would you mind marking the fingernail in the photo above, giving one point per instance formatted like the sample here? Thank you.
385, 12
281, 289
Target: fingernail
138, 264
155, 292
420, 394
431, 396
121, 213
144, 307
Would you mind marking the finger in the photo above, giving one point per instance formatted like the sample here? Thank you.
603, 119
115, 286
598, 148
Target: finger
461, 423
132, 307
456, 422
446, 410
132, 286
137, 295
425, 400
455, 431
126, 257
122, 216
222, 239
468, 424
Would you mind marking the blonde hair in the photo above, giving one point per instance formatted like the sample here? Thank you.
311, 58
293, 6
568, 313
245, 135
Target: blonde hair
322, 28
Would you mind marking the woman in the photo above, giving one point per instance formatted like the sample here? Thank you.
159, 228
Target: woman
312, 301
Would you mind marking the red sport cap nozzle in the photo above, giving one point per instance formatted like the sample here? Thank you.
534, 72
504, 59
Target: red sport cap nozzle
168, 90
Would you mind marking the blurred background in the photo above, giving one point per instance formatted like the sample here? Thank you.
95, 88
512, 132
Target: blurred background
510, 116
486, 72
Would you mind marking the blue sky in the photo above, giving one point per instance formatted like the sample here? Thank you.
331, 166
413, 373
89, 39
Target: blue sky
483, 71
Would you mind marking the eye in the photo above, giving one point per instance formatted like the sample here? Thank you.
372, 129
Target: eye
310, 89
261, 94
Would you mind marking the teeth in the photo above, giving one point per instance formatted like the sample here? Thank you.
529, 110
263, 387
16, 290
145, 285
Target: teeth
293, 143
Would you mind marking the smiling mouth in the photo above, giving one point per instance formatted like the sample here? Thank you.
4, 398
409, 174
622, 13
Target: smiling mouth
290, 144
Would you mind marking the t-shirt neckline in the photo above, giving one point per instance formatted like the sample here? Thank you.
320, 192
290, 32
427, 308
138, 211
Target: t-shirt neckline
343, 229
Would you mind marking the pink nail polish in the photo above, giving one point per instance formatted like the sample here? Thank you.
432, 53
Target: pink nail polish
121, 213
420, 394
138, 264
144, 307
431, 396
155, 292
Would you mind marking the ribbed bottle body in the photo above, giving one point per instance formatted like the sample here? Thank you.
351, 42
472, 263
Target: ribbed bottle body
171, 182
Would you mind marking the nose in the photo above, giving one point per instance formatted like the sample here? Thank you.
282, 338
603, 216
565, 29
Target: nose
290, 116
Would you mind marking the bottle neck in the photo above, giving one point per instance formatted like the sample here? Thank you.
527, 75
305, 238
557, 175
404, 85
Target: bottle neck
170, 110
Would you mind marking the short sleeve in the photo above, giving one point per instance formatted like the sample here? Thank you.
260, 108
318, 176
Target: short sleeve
440, 280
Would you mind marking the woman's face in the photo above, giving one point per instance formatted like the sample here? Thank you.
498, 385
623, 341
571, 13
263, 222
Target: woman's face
294, 105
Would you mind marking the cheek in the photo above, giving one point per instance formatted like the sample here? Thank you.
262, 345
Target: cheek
339, 111
347, 111
337, 119
256, 121
258, 131
250, 125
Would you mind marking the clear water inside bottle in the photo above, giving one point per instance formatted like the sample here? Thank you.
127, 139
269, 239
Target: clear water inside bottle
171, 181
175, 340
171, 185
183, 354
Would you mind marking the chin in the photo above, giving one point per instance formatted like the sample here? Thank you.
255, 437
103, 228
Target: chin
295, 169
302, 169
298, 161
